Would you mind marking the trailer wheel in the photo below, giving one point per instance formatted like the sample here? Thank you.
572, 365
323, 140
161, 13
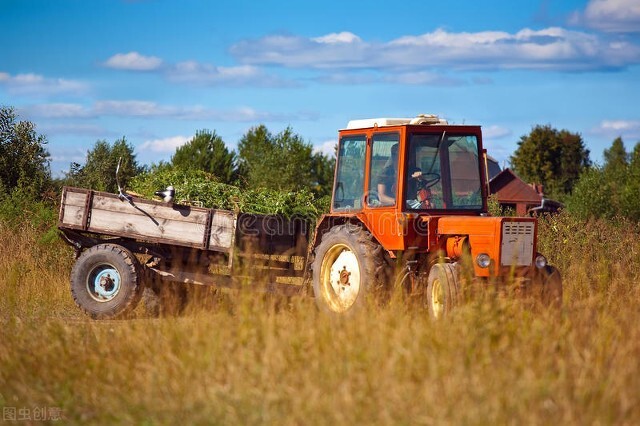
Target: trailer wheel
105, 281
348, 265
443, 289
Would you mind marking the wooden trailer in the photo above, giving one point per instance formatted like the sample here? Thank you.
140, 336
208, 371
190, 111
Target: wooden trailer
182, 243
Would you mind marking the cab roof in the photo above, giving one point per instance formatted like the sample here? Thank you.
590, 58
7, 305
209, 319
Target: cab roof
424, 119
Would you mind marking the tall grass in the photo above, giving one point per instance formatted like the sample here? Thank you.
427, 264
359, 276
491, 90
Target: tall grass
254, 361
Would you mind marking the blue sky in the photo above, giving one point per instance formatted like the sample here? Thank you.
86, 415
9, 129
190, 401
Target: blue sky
157, 71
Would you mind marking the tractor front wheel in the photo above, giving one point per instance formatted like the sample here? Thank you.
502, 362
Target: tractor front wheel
443, 289
551, 288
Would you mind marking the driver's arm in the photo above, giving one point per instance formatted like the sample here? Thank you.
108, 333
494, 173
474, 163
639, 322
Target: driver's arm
383, 197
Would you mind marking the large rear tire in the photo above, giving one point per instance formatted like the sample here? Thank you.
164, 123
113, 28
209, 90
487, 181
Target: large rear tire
348, 266
443, 289
105, 281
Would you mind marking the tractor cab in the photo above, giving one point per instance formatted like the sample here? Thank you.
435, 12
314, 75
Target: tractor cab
392, 171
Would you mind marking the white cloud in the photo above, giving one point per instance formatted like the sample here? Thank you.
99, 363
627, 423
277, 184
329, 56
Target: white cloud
193, 72
629, 129
38, 85
58, 110
495, 132
345, 78
146, 109
294, 51
327, 147
616, 16
133, 108
166, 145
133, 61
67, 155
550, 48
424, 78
343, 37
210, 75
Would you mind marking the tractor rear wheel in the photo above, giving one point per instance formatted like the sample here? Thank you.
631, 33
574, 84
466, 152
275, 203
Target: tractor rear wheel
348, 266
443, 289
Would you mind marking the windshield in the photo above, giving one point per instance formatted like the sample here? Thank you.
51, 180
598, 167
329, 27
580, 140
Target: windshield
443, 172
349, 187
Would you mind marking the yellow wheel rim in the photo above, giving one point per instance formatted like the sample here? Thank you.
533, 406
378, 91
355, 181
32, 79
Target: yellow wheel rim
340, 278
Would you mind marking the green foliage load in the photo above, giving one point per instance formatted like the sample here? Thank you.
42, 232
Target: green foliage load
551, 157
198, 187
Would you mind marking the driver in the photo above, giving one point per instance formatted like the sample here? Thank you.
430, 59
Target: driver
386, 184
418, 193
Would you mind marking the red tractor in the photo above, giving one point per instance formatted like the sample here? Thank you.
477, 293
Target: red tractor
409, 201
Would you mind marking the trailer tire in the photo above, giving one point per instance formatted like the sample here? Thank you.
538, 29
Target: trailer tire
105, 281
347, 267
443, 289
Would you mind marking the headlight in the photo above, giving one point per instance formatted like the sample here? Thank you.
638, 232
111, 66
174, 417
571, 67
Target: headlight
541, 261
483, 260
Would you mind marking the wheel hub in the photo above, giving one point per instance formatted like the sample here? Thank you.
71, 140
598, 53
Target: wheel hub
107, 283
103, 283
344, 278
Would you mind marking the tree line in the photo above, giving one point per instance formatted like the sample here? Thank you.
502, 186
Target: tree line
283, 162
557, 159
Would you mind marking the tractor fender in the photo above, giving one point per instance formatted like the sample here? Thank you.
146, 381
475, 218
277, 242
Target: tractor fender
328, 221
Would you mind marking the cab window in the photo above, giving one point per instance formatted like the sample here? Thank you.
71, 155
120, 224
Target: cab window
349, 186
443, 172
383, 179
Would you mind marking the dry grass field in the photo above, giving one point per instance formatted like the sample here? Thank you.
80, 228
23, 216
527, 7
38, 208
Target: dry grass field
253, 360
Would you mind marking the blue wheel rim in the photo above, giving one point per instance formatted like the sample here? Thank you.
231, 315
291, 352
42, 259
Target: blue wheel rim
103, 283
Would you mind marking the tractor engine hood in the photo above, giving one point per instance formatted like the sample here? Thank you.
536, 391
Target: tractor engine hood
496, 242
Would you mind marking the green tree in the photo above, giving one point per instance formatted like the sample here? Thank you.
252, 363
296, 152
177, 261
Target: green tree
24, 161
616, 156
99, 171
551, 157
207, 152
323, 168
611, 190
282, 162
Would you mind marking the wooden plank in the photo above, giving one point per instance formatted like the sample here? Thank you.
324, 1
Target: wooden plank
126, 224
158, 211
73, 215
73, 198
222, 229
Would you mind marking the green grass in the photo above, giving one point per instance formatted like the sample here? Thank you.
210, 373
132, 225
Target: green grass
256, 360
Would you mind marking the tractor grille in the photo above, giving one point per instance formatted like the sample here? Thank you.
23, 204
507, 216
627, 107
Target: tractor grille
517, 243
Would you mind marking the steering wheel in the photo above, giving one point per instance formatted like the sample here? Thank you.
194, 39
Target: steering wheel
429, 179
